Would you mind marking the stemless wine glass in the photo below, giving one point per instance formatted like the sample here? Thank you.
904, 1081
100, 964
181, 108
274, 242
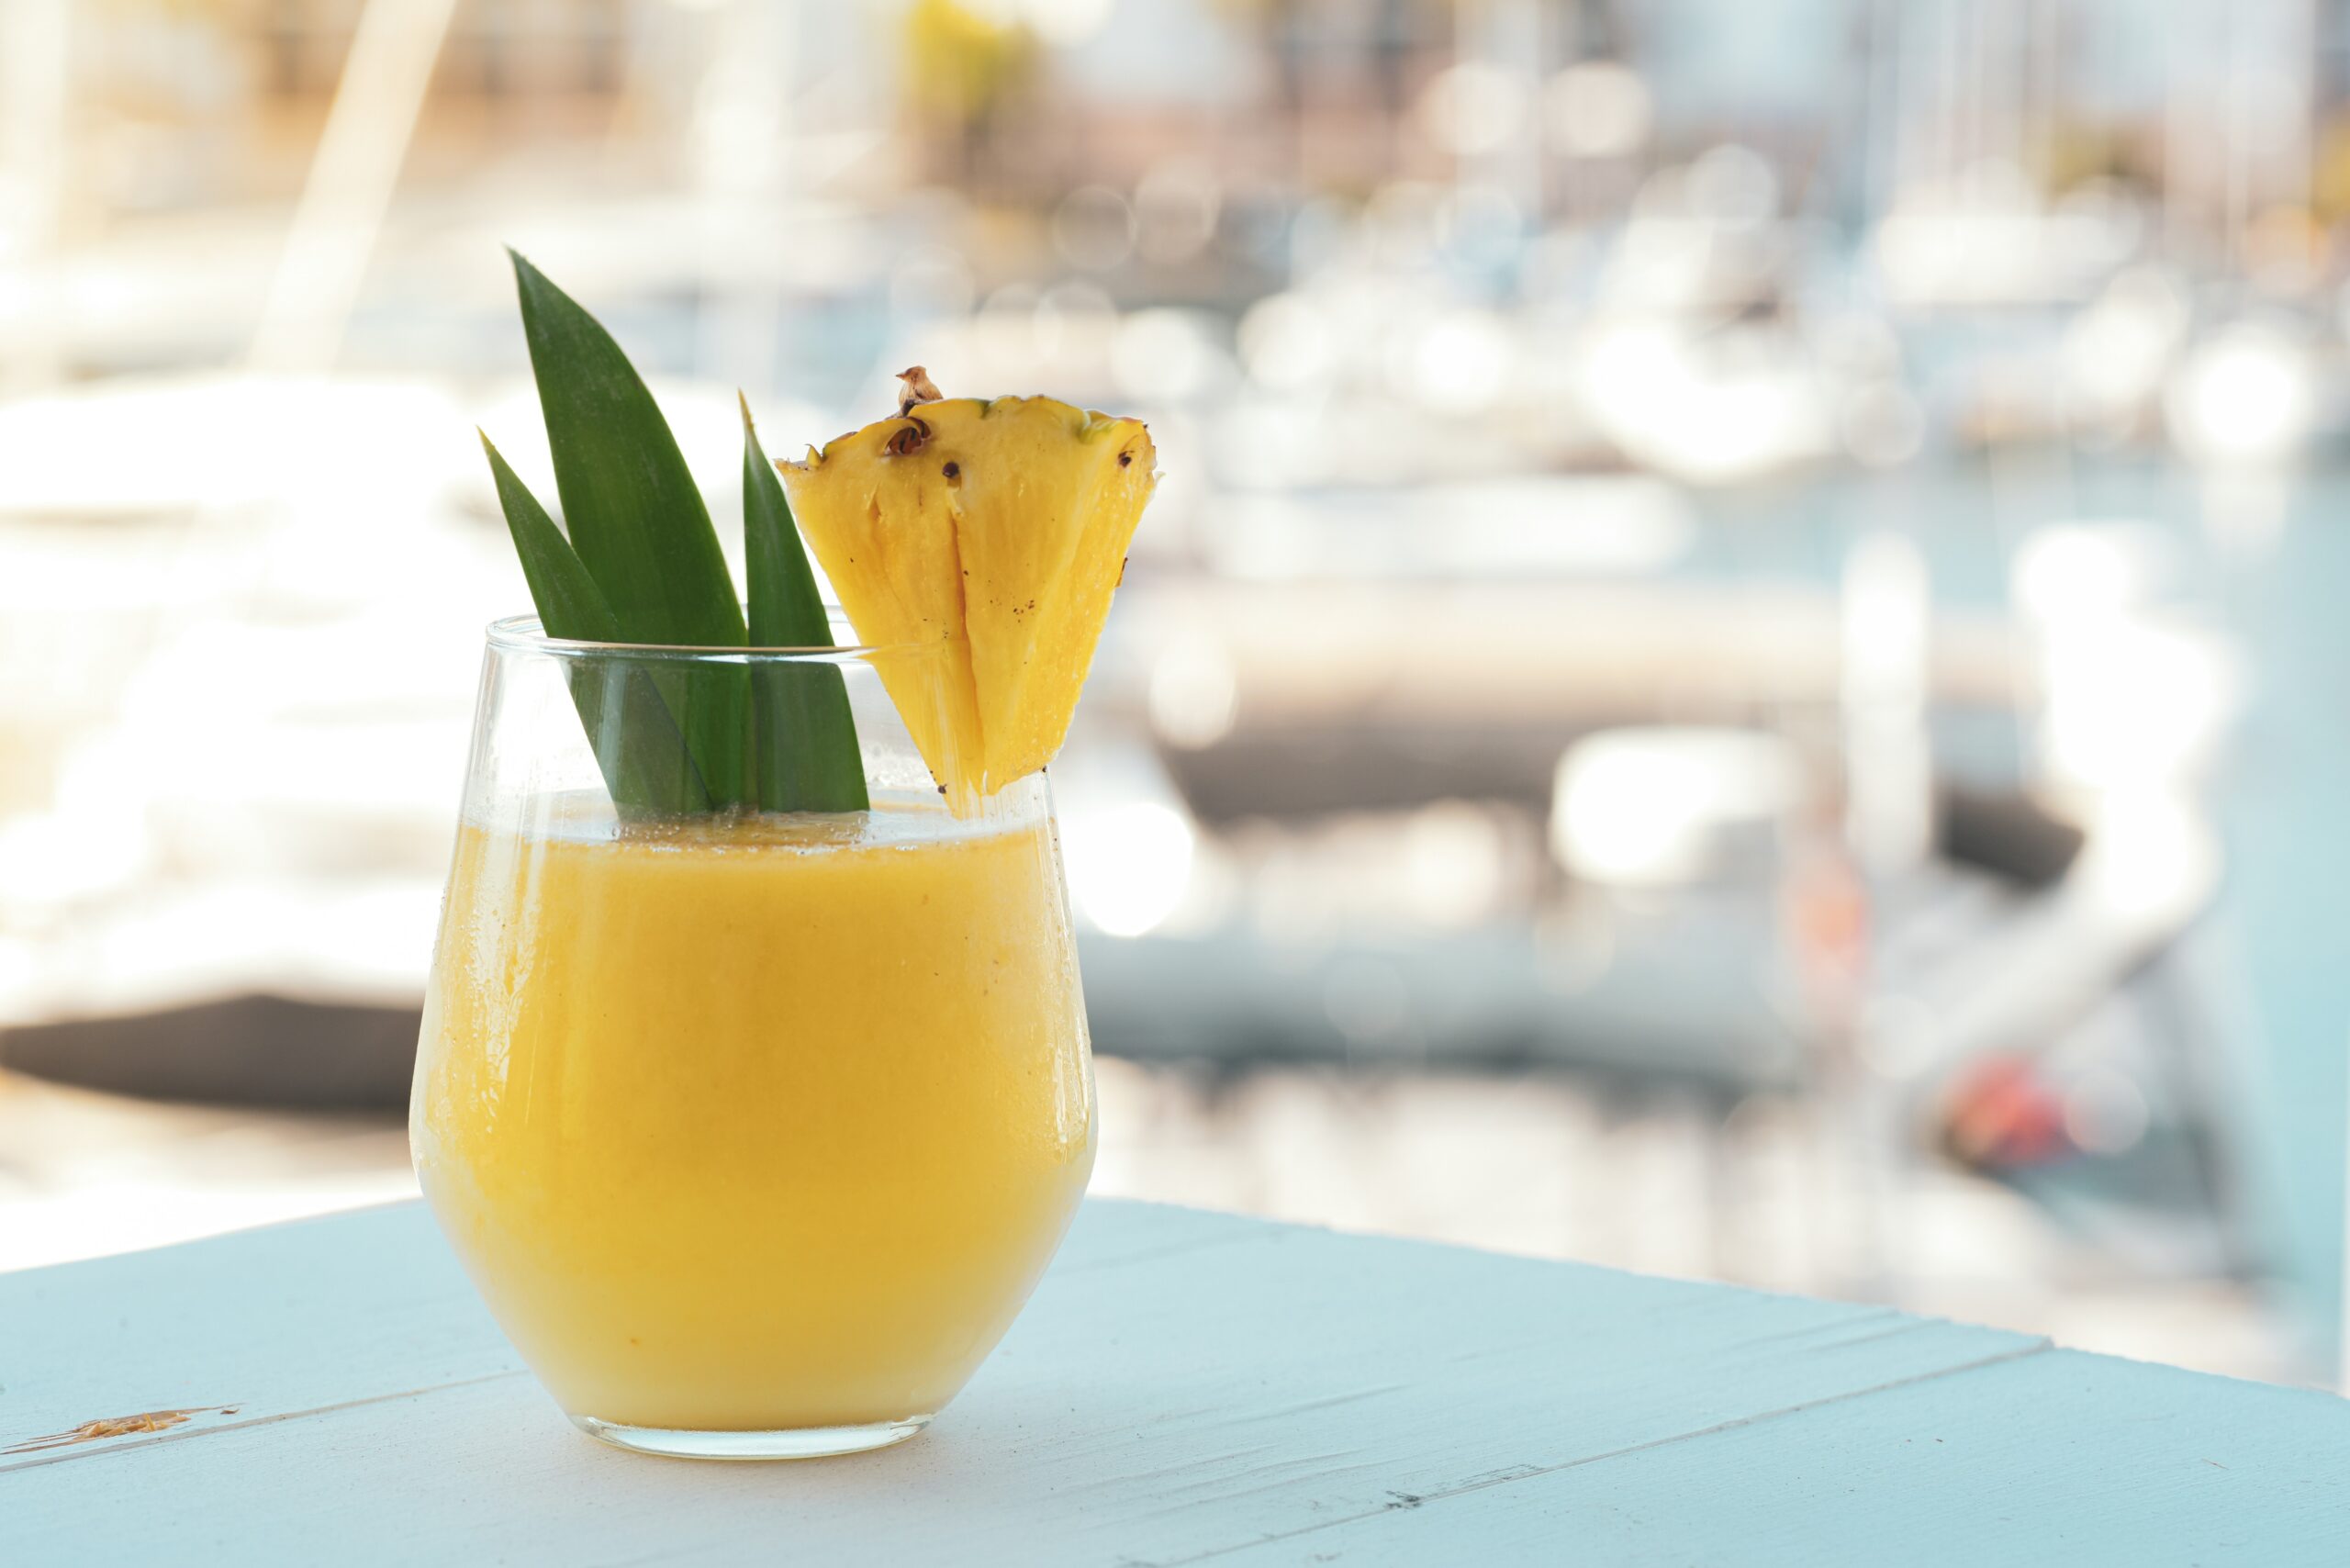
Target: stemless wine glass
754, 1129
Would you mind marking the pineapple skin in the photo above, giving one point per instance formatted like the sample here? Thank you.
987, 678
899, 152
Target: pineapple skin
998, 528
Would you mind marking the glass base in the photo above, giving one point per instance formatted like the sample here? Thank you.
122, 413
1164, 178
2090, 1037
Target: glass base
799, 1443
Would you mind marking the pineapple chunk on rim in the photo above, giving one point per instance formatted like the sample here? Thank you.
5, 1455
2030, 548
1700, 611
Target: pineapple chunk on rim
998, 527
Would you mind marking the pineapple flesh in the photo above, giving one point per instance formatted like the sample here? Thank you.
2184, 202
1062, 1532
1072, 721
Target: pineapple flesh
997, 528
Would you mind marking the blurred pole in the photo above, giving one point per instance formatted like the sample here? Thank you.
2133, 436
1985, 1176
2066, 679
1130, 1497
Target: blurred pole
741, 127
1886, 654
36, 66
1887, 626
1873, 161
2269, 87
341, 212
2240, 93
1505, 37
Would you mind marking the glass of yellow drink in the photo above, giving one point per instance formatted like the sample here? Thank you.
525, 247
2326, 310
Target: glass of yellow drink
754, 1129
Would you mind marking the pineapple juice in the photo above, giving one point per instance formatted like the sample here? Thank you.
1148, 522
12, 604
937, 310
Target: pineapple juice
746, 1123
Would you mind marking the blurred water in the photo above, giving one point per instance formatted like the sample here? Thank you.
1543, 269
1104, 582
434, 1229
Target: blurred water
2271, 951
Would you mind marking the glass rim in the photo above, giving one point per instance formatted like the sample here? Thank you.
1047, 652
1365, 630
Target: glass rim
527, 634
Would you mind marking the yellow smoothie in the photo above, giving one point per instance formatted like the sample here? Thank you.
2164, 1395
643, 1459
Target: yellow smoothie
745, 1124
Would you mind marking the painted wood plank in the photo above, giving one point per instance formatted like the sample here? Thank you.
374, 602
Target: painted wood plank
2059, 1458
272, 1321
300, 1316
1183, 1385
1186, 1387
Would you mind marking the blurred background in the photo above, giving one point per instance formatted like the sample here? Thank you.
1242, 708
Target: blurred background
1739, 668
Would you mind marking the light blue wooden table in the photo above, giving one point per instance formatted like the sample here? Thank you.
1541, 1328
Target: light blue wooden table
1185, 1388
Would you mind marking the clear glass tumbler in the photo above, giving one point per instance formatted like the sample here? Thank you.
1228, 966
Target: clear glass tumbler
754, 1129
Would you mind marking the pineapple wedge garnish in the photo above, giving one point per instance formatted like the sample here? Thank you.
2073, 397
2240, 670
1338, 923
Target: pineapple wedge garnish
999, 528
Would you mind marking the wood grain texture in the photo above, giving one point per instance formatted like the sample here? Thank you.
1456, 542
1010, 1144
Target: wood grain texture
1185, 1387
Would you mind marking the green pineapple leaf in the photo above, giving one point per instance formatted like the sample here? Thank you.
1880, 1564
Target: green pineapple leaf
638, 526
638, 747
803, 737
